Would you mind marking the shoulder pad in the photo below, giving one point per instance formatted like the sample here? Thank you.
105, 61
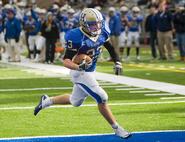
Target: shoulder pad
73, 38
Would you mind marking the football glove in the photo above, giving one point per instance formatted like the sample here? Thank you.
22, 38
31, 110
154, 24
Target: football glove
84, 66
118, 68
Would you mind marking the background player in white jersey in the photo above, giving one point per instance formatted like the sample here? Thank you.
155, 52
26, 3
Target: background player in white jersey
87, 39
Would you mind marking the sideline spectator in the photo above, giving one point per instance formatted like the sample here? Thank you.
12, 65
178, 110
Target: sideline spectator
51, 32
12, 35
179, 25
164, 27
151, 27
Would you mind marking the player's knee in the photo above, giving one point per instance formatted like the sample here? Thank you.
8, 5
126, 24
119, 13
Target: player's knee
104, 98
76, 103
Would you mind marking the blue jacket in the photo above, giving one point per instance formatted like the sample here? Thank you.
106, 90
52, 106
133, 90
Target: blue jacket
13, 28
115, 25
164, 21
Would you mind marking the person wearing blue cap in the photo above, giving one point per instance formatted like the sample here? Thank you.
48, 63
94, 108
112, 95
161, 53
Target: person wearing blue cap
12, 34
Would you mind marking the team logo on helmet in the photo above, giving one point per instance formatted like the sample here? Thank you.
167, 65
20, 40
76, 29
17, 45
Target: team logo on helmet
91, 21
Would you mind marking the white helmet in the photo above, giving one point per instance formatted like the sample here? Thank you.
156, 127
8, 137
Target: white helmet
124, 9
71, 10
136, 9
37, 10
21, 4
43, 11
8, 6
112, 9
55, 6
91, 21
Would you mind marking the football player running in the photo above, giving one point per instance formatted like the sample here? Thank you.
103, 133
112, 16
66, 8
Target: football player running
87, 39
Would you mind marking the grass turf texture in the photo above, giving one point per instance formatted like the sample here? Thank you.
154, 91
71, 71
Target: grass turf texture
62, 121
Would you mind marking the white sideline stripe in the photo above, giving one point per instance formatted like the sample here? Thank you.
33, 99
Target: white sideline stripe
95, 105
147, 91
125, 89
107, 83
36, 89
81, 135
160, 94
172, 98
143, 83
111, 86
52, 88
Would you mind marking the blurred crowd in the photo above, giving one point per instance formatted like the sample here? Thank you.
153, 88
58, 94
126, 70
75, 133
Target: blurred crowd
41, 31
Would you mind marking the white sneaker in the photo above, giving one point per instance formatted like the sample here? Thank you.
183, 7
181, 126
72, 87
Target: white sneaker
122, 133
37, 58
138, 58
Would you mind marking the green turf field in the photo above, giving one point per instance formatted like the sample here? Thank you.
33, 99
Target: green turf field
171, 71
130, 109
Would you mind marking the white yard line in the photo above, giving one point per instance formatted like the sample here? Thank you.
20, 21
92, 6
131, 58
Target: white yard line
172, 98
153, 85
52, 88
107, 83
36, 89
145, 91
130, 88
95, 105
113, 86
160, 94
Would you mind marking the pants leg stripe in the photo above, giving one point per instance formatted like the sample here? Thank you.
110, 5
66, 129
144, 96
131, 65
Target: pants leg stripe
91, 93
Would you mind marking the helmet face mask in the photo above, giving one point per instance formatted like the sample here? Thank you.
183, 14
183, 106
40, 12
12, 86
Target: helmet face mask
94, 27
91, 21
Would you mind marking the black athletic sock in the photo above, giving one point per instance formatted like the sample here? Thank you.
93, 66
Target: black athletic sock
128, 51
137, 51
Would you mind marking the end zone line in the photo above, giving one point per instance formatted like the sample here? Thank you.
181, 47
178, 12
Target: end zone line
95, 105
81, 135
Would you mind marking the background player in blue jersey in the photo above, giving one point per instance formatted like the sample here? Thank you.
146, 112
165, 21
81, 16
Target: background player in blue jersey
134, 30
87, 39
124, 27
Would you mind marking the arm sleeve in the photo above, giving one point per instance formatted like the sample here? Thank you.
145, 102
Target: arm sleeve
69, 54
111, 51
34, 15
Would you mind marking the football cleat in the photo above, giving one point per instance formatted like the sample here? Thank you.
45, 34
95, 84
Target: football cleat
42, 104
122, 133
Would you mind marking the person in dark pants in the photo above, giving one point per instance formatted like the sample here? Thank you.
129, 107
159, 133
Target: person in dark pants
179, 24
151, 27
51, 32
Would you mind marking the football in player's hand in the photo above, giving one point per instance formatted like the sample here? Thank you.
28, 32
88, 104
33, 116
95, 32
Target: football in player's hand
78, 59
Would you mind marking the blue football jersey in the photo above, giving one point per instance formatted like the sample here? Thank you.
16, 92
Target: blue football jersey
78, 41
135, 23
